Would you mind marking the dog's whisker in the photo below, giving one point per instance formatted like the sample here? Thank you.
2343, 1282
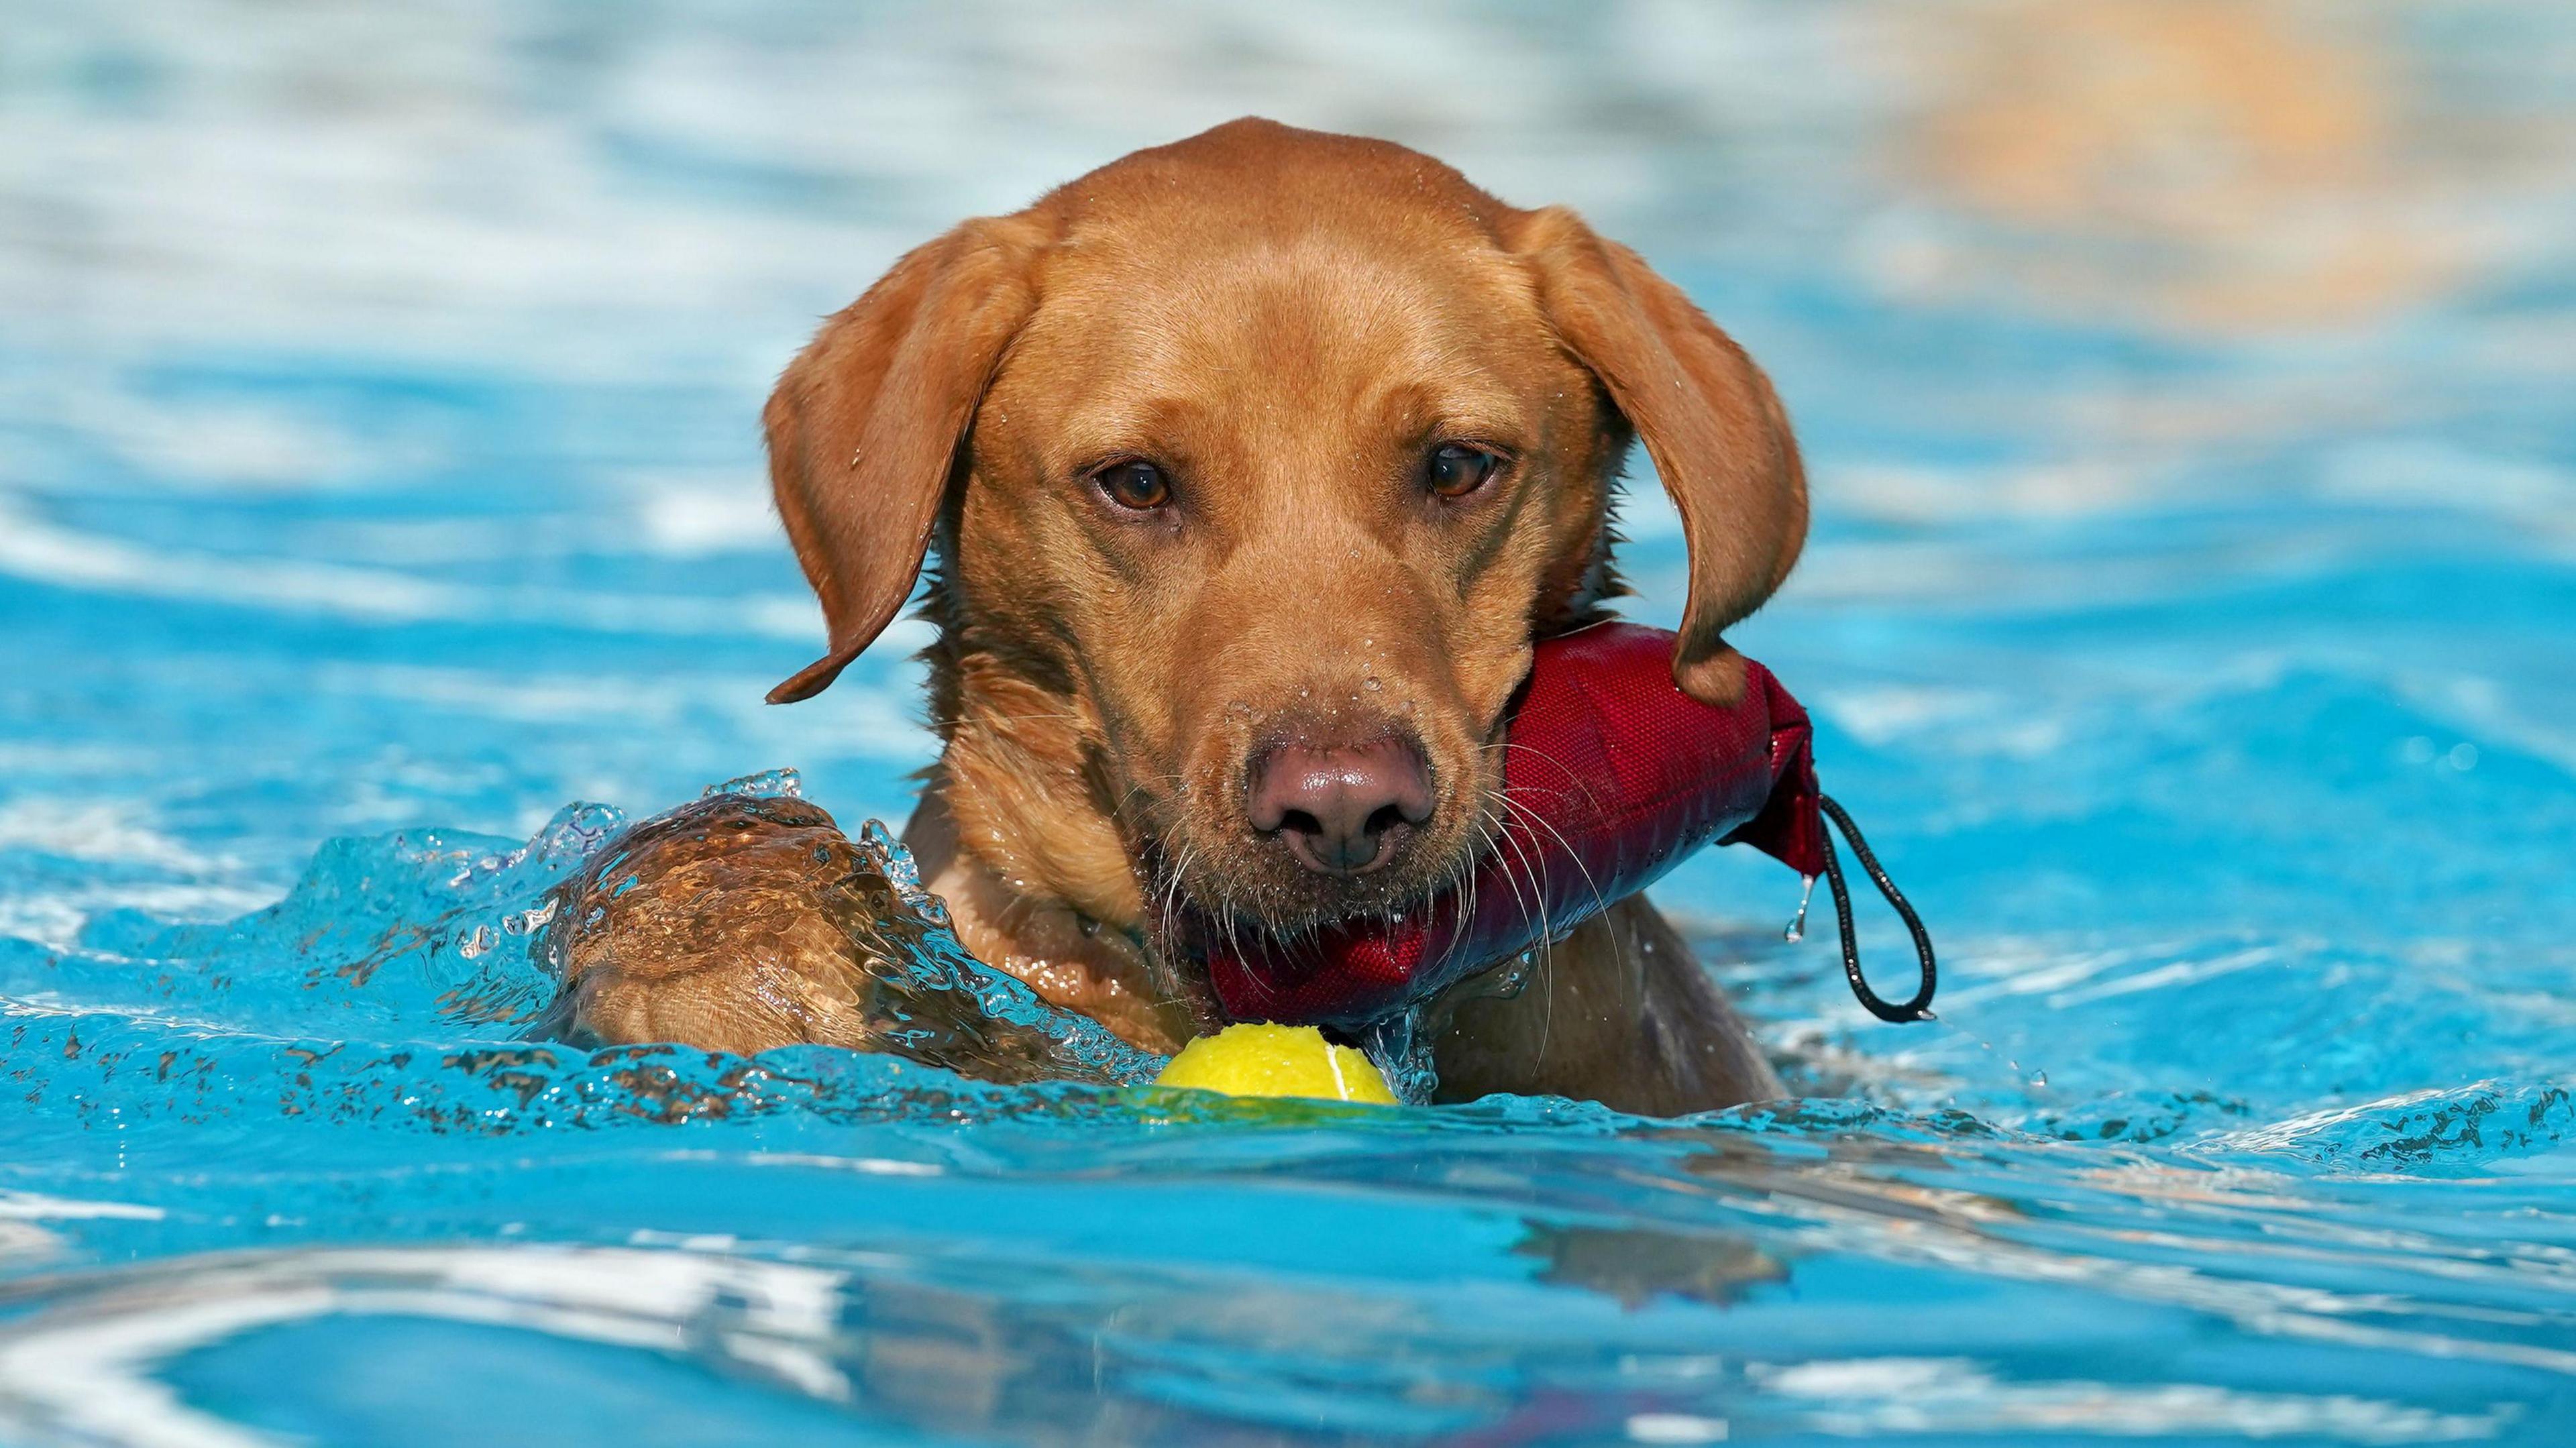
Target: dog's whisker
1545, 946
1590, 886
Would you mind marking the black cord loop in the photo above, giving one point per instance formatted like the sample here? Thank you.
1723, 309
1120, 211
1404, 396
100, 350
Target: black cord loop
1917, 1009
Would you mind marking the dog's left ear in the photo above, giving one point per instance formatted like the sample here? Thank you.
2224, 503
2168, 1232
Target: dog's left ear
865, 425
1709, 419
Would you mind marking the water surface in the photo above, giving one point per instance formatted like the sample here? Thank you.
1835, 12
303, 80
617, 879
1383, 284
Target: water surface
2186, 389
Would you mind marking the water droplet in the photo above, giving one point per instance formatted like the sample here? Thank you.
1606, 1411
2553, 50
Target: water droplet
767, 784
527, 921
1797, 930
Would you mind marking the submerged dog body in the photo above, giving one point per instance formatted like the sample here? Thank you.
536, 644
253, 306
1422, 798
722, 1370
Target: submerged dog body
1253, 465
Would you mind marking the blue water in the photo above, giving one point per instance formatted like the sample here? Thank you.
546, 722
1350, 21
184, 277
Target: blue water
2188, 619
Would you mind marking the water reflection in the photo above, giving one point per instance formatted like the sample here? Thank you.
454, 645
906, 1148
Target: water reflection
1637, 1265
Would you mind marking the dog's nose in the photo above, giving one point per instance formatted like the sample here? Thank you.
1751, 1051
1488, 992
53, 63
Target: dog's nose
1341, 811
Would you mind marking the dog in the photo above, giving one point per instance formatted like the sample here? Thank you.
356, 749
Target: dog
1249, 468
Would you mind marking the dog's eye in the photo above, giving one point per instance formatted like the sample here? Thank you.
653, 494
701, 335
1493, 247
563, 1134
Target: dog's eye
1455, 469
1136, 485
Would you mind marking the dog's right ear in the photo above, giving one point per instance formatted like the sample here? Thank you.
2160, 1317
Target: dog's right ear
865, 425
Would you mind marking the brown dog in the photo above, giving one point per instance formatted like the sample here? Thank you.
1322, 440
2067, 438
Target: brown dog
1254, 464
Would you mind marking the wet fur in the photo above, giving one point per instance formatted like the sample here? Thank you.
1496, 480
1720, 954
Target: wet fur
1288, 320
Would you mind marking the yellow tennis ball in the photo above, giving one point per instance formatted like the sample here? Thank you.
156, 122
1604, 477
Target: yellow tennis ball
1266, 1060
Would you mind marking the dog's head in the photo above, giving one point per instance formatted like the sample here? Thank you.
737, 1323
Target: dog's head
1255, 463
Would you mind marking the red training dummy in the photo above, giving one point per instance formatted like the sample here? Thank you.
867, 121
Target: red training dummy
1612, 775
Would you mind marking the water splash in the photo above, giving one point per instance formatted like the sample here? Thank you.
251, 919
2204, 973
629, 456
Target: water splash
416, 930
413, 978
781, 783
749, 903
2454, 1132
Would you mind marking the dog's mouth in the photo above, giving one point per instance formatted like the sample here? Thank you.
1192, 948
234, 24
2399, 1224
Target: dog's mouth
1200, 912
1343, 950
1191, 908
1297, 835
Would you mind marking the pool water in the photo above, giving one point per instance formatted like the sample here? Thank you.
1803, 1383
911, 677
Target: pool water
2187, 391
